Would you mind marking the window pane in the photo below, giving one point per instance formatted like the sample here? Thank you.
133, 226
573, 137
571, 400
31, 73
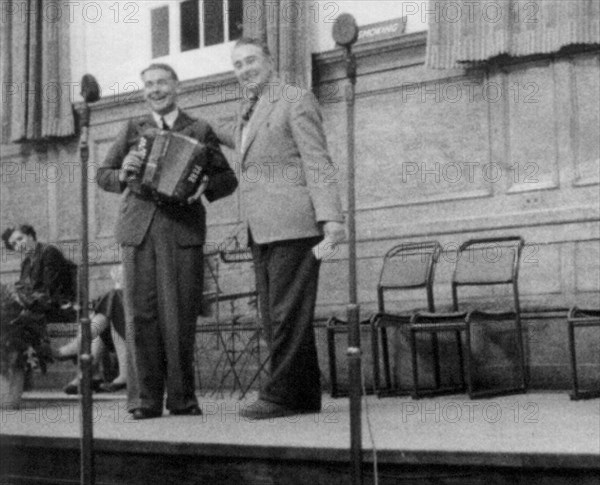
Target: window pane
213, 22
236, 18
159, 21
190, 28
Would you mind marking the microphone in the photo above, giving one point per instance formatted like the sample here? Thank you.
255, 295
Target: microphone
90, 89
90, 92
345, 30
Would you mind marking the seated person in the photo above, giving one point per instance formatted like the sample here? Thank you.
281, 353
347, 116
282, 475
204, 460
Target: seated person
47, 282
45, 291
108, 331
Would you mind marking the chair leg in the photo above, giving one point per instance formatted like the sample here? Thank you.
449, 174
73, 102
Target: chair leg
435, 346
375, 354
469, 360
261, 368
461, 361
332, 361
229, 352
415, 372
386, 357
523, 362
573, 356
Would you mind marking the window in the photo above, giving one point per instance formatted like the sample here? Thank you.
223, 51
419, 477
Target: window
196, 24
209, 22
235, 19
159, 20
213, 22
190, 27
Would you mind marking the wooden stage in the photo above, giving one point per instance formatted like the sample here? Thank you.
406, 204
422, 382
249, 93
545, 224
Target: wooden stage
531, 438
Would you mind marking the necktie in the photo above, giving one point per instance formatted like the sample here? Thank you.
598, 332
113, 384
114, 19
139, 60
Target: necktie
248, 110
164, 125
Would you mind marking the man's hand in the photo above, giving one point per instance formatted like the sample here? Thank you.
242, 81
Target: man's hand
200, 191
334, 231
132, 164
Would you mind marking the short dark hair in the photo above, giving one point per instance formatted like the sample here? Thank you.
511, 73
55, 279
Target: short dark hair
262, 45
6, 236
164, 67
26, 229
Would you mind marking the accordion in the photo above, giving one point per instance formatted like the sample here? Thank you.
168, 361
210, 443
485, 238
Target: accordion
173, 166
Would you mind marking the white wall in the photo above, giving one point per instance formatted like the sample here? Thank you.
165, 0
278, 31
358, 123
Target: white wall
111, 39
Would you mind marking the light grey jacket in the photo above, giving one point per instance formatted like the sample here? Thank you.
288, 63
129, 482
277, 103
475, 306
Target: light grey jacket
287, 181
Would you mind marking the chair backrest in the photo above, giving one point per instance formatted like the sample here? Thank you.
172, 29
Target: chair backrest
235, 286
578, 315
409, 266
488, 261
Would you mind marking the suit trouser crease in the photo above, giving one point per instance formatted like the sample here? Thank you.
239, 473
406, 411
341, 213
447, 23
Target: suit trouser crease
287, 278
163, 283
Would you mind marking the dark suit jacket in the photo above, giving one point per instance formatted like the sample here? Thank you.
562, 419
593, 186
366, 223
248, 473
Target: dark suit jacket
136, 212
47, 279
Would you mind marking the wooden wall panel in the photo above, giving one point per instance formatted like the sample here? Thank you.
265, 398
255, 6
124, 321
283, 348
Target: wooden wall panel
585, 92
529, 95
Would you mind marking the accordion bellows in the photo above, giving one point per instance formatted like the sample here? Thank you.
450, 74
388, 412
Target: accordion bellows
173, 166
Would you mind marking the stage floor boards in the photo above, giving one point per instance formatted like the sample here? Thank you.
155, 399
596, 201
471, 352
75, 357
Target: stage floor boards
522, 434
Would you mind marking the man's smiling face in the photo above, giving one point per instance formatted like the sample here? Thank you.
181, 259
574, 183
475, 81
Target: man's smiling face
251, 66
160, 90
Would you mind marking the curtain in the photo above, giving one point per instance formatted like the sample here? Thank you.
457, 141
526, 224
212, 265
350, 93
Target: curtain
36, 87
284, 25
474, 31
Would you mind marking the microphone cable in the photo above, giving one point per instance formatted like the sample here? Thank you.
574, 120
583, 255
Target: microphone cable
369, 427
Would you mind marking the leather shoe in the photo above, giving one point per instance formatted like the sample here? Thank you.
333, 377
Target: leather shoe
73, 387
112, 386
191, 411
266, 410
143, 413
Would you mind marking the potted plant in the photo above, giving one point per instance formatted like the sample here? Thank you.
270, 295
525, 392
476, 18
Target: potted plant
23, 346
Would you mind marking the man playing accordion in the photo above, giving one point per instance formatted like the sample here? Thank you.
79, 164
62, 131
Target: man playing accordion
162, 243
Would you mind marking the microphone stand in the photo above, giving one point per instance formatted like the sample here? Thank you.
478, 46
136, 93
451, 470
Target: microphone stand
353, 308
90, 93
345, 34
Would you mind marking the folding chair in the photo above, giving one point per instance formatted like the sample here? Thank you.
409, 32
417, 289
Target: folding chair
407, 266
238, 333
479, 262
578, 318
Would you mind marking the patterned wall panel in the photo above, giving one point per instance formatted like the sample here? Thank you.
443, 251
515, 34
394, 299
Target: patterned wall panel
68, 192
528, 94
423, 147
25, 191
585, 126
540, 272
106, 204
587, 261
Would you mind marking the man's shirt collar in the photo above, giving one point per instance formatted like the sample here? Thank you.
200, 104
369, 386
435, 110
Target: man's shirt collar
169, 118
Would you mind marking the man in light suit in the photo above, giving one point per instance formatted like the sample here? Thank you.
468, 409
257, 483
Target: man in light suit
162, 255
289, 206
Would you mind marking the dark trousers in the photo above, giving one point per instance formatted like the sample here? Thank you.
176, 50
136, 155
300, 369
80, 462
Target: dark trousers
163, 288
286, 278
